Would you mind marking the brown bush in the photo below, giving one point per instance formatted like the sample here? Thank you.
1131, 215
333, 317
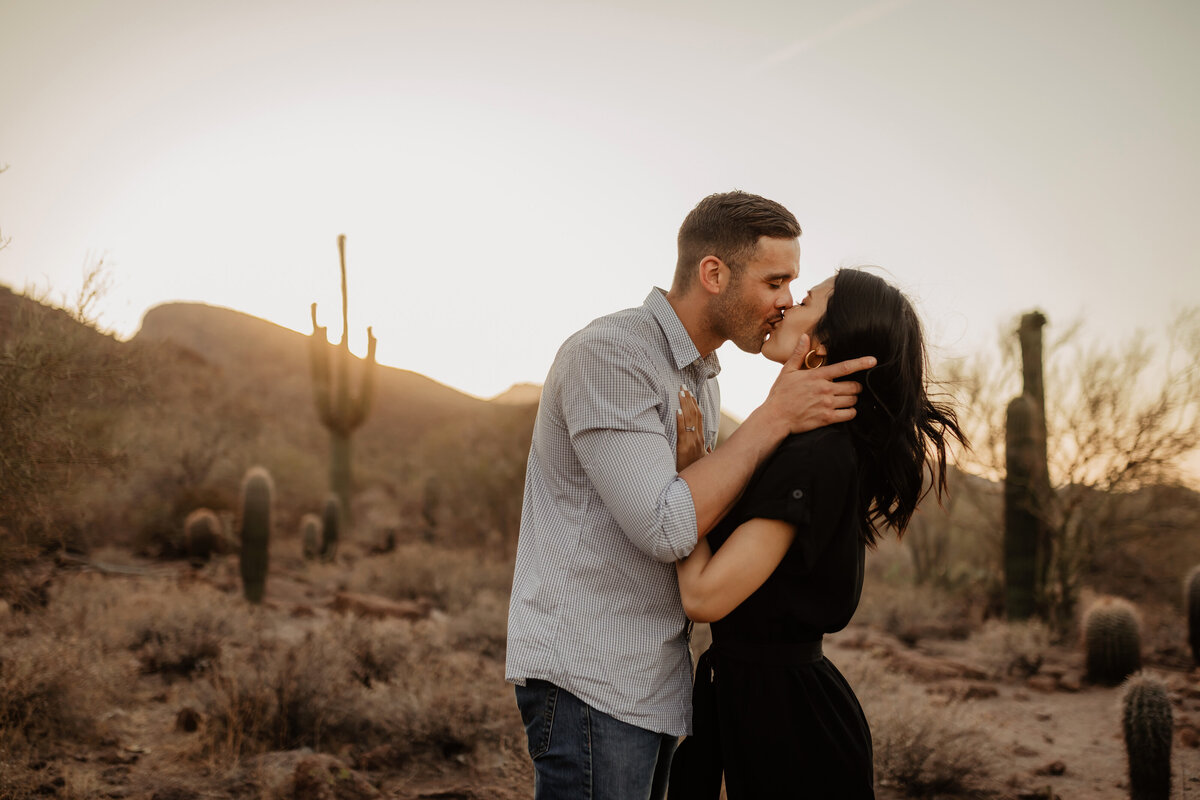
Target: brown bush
363, 684
912, 612
56, 679
177, 632
921, 749
450, 578
482, 627
44, 691
1012, 649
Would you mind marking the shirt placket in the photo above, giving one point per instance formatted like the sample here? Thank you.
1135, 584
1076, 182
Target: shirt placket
697, 383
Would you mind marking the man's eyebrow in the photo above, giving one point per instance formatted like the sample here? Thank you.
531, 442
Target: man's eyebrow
787, 277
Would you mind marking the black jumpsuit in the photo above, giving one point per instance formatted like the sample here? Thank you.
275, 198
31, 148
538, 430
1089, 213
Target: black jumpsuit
770, 710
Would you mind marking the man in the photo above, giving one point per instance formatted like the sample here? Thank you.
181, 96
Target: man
597, 641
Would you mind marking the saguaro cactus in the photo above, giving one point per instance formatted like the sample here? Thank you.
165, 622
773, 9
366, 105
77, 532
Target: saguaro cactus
339, 412
257, 491
1149, 726
1191, 601
1112, 641
1026, 481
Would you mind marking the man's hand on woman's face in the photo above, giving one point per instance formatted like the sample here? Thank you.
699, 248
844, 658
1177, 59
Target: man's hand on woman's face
810, 398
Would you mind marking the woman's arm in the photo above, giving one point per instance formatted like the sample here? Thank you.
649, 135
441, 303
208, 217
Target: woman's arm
713, 585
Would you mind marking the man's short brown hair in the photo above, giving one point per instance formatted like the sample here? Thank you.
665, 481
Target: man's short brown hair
728, 225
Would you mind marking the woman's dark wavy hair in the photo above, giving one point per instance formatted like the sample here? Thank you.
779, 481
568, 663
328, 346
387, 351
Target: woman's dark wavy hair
897, 430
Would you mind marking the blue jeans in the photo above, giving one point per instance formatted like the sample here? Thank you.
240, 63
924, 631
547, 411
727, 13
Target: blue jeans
580, 753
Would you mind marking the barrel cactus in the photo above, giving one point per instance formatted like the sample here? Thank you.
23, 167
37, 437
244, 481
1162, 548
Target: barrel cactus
1112, 641
257, 491
331, 523
310, 535
1149, 726
202, 535
1191, 601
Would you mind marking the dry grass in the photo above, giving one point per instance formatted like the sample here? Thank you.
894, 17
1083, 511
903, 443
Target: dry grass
48, 689
920, 748
57, 678
380, 694
1011, 649
451, 578
912, 612
363, 684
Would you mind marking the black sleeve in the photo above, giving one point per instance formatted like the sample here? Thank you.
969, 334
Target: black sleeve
807, 482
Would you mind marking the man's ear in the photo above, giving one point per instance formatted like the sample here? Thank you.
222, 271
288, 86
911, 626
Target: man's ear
714, 275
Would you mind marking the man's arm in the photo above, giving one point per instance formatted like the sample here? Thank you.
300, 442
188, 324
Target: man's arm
610, 401
799, 400
611, 404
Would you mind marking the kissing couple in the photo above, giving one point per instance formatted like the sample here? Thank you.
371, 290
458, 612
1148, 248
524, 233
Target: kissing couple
635, 524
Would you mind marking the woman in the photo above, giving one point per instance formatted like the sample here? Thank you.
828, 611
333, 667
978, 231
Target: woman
785, 566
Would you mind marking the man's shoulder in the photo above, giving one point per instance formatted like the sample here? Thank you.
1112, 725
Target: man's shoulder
630, 330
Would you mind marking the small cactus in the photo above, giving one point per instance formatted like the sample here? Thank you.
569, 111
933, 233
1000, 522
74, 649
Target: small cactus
1148, 728
1112, 641
331, 521
310, 535
257, 490
1191, 601
202, 536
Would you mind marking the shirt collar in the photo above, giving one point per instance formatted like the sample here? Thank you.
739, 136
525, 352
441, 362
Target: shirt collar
683, 349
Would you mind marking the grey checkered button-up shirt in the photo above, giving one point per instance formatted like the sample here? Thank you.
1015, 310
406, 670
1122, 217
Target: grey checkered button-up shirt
595, 603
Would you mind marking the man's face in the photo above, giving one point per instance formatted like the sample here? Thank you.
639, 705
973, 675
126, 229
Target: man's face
758, 293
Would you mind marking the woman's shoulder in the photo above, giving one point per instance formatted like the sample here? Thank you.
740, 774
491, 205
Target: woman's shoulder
830, 442
825, 454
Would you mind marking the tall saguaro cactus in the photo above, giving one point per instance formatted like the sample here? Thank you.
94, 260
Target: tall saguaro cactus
339, 411
1026, 481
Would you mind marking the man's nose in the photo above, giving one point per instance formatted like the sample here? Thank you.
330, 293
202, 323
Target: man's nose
784, 300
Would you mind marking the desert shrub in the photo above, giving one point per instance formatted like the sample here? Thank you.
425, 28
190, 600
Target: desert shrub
174, 629
61, 386
482, 627
450, 578
913, 611
1012, 649
177, 635
338, 687
283, 697
40, 694
380, 649
54, 682
921, 749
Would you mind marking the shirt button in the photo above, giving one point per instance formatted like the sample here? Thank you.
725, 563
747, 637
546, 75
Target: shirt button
797, 494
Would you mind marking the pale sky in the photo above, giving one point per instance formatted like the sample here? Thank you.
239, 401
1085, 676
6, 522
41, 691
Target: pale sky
507, 171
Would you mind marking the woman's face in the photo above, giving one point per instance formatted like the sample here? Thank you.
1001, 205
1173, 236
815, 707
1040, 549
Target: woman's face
797, 321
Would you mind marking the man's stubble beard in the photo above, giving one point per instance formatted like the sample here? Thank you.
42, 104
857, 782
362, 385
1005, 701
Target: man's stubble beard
736, 322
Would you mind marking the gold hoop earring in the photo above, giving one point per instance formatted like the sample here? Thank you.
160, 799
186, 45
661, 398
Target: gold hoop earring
810, 354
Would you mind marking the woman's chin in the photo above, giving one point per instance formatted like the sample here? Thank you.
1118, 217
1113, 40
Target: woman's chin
770, 351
